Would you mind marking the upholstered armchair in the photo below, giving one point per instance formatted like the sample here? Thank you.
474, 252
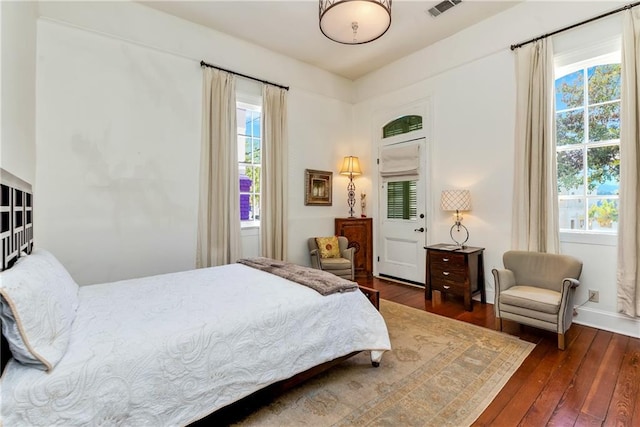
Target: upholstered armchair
537, 289
338, 261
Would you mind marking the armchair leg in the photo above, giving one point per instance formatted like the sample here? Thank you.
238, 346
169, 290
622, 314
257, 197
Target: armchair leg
561, 341
499, 323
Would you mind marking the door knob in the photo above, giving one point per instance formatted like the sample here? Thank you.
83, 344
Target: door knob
421, 229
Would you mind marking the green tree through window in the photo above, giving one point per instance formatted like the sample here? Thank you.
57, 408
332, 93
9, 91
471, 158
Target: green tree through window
587, 105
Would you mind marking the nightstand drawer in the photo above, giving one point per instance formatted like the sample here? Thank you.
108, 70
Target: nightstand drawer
447, 260
450, 286
448, 272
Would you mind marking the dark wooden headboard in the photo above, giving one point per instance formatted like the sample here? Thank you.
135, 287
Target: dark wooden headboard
16, 229
16, 209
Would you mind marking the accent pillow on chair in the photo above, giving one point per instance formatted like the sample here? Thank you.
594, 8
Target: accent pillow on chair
341, 265
328, 247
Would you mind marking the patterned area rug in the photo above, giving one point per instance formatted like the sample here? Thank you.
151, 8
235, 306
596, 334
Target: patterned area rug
441, 372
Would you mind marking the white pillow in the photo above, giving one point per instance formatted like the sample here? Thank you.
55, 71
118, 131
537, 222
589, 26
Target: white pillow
38, 303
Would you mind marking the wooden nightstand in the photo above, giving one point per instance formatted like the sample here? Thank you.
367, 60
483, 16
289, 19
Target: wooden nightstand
455, 271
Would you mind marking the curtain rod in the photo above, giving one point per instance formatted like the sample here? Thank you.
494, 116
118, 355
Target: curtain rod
204, 64
595, 18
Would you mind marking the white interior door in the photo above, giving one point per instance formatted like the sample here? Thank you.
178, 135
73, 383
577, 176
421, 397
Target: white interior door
403, 219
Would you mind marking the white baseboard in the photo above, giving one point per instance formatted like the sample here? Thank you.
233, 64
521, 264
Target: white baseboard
605, 320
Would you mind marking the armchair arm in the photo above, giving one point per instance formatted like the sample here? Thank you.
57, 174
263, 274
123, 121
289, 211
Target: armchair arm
565, 314
349, 253
504, 279
570, 282
315, 259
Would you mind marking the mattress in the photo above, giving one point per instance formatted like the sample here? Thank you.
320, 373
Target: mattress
170, 349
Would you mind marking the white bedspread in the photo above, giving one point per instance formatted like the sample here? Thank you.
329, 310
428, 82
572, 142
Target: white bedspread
170, 349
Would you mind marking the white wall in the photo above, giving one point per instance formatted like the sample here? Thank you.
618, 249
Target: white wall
469, 79
17, 88
118, 134
117, 149
319, 138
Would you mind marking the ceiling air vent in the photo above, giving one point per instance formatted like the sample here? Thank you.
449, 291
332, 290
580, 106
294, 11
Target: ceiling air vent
441, 8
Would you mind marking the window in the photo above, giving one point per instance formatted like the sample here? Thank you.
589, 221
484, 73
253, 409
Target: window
587, 104
248, 118
401, 200
402, 125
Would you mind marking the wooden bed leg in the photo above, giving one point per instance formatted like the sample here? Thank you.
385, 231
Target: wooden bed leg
499, 323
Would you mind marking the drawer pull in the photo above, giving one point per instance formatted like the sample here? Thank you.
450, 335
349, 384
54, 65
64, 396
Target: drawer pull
446, 273
445, 259
446, 287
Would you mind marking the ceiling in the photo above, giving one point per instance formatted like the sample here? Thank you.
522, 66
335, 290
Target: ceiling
291, 28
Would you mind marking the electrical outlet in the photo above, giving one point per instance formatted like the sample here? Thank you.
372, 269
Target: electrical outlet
594, 296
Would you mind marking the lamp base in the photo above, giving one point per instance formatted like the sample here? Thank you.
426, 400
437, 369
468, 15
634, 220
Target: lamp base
351, 196
457, 226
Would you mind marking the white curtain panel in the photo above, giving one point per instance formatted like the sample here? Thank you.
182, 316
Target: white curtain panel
273, 196
535, 198
218, 237
628, 279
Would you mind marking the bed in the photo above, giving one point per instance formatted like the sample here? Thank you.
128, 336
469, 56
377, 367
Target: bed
167, 349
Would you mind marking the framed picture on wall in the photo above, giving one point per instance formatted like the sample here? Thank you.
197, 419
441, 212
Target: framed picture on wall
317, 187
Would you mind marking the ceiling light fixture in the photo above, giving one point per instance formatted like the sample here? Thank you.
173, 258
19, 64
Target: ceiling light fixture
354, 21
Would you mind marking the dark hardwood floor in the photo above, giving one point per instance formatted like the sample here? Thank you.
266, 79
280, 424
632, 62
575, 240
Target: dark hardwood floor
595, 381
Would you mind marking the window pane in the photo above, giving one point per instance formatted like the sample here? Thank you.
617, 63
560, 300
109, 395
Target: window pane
253, 172
570, 91
255, 207
570, 127
255, 125
604, 122
571, 214
603, 215
247, 122
604, 170
571, 172
256, 150
401, 200
242, 149
245, 197
604, 83
247, 150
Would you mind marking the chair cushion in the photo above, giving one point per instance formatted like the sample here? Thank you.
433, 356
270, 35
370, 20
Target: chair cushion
537, 299
335, 264
328, 247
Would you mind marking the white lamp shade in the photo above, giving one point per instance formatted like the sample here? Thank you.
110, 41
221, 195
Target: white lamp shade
455, 200
354, 21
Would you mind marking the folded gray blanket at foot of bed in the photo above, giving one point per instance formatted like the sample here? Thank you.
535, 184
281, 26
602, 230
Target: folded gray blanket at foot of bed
320, 281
